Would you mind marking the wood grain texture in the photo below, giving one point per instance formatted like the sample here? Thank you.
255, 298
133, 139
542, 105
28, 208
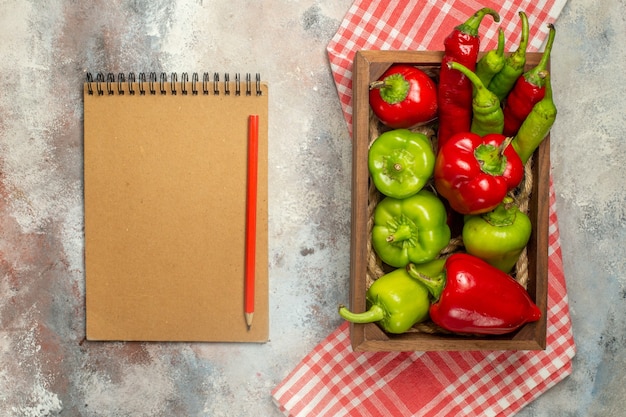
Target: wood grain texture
368, 66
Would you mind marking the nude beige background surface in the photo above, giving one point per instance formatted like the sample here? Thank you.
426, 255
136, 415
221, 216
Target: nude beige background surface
46, 368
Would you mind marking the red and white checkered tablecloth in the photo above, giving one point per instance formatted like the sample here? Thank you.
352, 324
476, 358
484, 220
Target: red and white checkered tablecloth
332, 380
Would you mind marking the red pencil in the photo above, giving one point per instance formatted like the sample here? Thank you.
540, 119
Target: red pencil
253, 150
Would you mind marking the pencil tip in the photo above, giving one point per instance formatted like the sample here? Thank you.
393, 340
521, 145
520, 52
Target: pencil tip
249, 320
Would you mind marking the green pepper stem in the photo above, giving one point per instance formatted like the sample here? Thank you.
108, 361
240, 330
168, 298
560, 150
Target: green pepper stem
548, 95
500, 48
374, 314
472, 24
518, 58
403, 232
393, 89
491, 63
435, 285
484, 100
468, 73
536, 76
503, 215
505, 144
491, 158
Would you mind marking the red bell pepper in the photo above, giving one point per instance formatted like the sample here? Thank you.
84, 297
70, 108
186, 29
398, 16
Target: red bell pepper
403, 97
474, 173
455, 90
473, 297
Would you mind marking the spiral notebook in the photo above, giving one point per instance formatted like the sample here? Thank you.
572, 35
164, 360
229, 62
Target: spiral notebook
165, 168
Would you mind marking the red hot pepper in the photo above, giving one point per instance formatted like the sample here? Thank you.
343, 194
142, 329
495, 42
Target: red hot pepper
474, 297
474, 173
455, 91
536, 126
529, 89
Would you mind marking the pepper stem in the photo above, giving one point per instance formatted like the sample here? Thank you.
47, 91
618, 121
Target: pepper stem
548, 95
374, 314
503, 215
393, 88
403, 232
435, 285
505, 144
483, 98
500, 48
491, 158
468, 73
537, 75
472, 24
518, 58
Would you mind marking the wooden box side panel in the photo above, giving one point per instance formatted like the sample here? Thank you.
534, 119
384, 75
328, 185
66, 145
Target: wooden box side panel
368, 66
360, 180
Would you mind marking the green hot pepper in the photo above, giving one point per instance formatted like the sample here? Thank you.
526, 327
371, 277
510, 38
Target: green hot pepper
536, 126
395, 301
499, 236
492, 62
504, 81
413, 229
401, 162
488, 116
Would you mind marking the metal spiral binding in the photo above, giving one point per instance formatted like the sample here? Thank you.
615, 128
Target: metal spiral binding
111, 84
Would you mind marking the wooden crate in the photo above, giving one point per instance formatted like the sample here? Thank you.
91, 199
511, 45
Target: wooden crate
368, 66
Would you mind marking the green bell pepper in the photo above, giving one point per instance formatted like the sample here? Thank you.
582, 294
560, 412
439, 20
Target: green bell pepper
395, 301
412, 229
499, 236
401, 162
